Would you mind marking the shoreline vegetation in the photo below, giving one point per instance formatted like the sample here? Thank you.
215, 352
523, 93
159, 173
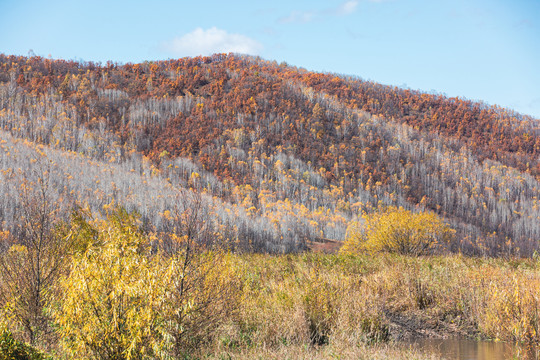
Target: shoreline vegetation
117, 295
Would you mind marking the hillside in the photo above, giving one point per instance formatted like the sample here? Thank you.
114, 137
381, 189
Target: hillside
273, 156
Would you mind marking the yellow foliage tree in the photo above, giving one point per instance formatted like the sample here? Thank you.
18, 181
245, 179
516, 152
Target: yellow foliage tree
108, 307
121, 300
397, 230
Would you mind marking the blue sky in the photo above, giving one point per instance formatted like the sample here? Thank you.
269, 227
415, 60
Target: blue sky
477, 49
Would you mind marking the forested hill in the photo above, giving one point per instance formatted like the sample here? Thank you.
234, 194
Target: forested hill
278, 156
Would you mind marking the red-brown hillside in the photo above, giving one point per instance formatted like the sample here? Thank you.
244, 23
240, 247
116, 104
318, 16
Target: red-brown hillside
303, 149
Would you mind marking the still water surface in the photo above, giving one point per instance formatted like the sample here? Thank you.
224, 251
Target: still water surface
463, 349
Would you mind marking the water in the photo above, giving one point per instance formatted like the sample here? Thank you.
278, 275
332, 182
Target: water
463, 349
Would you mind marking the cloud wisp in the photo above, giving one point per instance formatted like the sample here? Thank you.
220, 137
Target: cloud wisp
298, 17
345, 8
211, 41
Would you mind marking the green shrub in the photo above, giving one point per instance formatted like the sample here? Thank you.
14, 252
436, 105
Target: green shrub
12, 349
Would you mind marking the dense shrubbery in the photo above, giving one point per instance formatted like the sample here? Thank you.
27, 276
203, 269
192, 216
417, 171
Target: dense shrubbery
13, 349
122, 297
397, 230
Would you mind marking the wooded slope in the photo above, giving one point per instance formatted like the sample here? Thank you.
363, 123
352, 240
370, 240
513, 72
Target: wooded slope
281, 155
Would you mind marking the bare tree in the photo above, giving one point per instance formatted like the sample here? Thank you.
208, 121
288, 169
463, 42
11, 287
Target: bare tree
34, 258
202, 296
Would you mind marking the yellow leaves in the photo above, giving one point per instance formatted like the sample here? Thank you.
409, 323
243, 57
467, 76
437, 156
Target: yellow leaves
167, 215
510, 306
18, 249
155, 171
179, 239
164, 154
396, 230
4, 235
251, 211
110, 206
107, 295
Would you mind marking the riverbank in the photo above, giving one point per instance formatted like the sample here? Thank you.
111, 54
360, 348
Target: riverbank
317, 305
335, 306
349, 304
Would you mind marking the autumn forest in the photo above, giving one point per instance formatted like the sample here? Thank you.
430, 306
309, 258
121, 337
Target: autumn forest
281, 156
152, 210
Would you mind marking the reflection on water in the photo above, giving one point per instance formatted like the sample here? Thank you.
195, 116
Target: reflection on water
462, 349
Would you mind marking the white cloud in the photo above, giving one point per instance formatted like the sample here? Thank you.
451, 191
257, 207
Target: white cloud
298, 17
347, 7
211, 41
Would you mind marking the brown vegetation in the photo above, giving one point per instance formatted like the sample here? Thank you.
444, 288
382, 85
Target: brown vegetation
187, 178
120, 299
294, 155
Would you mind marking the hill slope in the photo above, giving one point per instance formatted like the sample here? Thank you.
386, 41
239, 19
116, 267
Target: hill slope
281, 155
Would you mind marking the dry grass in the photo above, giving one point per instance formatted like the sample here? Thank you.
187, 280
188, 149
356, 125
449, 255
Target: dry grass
336, 306
324, 306
343, 351
320, 299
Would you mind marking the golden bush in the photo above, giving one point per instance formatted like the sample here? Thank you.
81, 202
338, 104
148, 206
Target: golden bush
121, 300
397, 230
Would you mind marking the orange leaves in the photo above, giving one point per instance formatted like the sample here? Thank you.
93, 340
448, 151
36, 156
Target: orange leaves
285, 132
